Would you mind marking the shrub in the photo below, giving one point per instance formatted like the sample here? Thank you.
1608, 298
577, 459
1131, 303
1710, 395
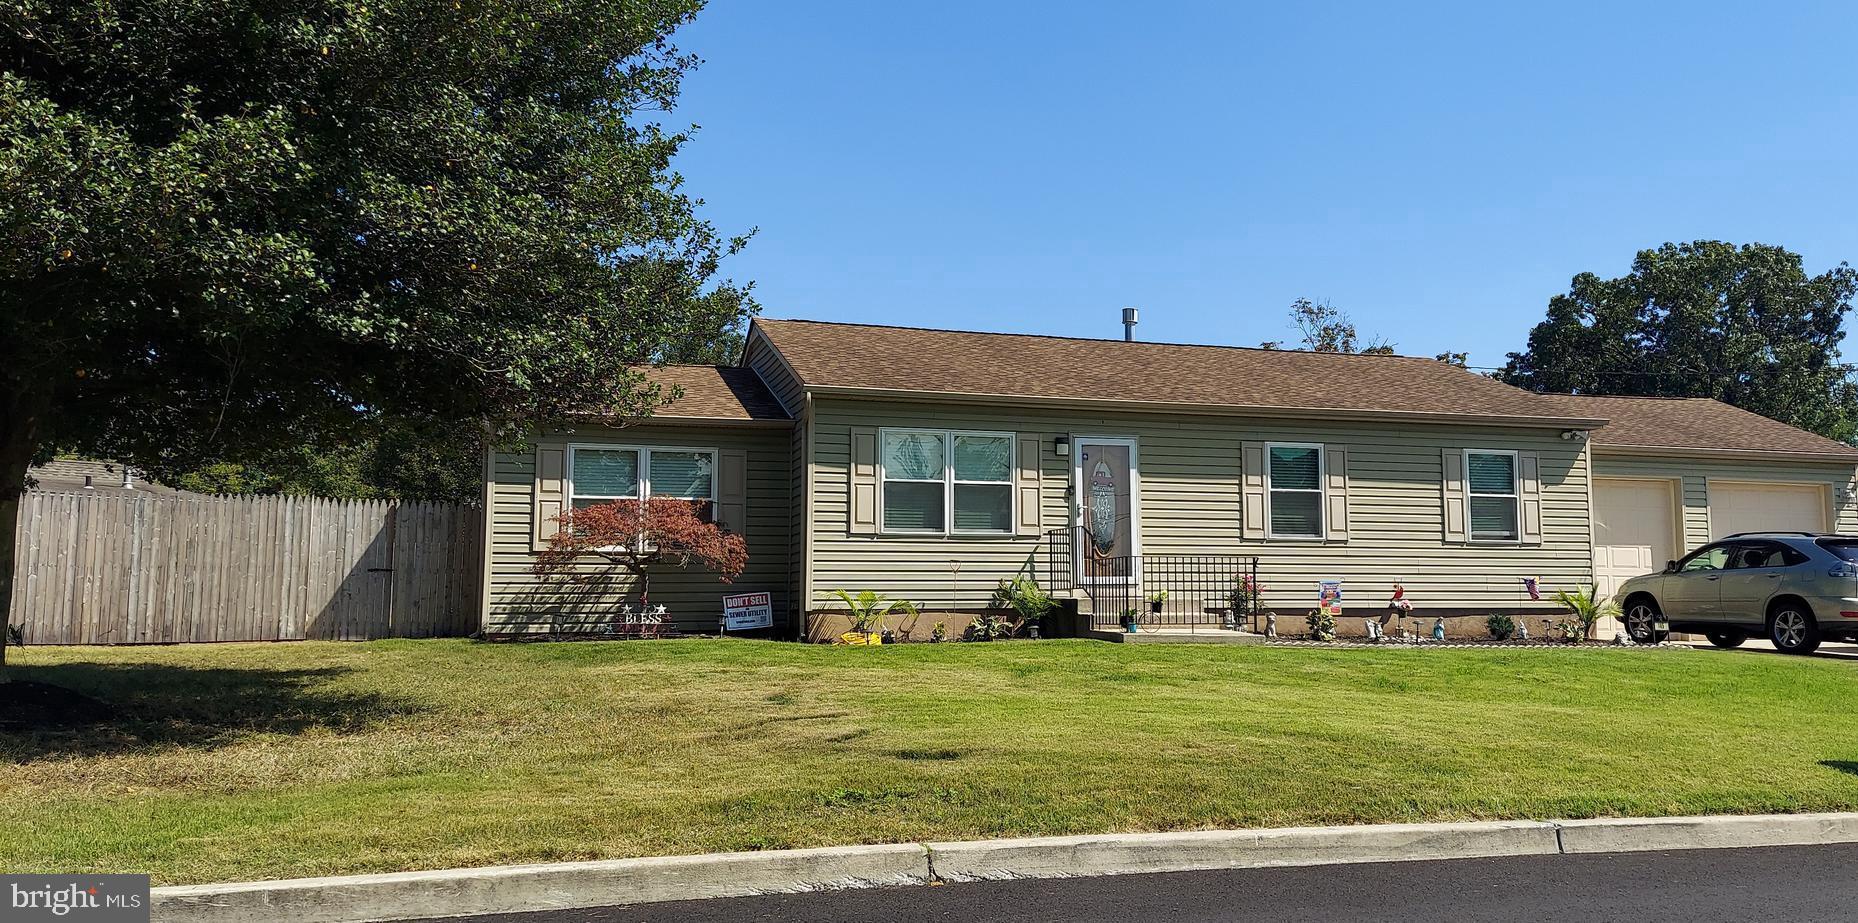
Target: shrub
1322, 625
990, 627
1023, 595
1249, 594
939, 632
1500, 626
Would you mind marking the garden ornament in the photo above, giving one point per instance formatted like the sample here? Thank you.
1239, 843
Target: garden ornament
1270, 624
1374, 629
1522, 629
1438, 629
1399, 604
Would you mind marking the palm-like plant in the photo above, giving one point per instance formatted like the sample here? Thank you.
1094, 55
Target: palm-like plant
868, 608
1586, 608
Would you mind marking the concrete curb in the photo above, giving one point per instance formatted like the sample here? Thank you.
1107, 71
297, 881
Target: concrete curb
555, 886
1123, 854
517, 888
1644, 834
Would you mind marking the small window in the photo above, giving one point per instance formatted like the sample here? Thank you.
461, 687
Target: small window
1490, 489
942, 481
1294, 480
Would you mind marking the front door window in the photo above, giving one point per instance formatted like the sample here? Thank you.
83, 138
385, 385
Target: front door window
1106, 509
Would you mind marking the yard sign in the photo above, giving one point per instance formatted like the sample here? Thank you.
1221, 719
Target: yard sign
747, 610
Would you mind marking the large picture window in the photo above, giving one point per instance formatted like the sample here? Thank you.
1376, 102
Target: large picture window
602, 474
1490, 488
1294, 480
943, 481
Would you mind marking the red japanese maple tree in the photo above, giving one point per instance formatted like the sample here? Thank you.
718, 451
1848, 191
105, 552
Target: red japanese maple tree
637, 537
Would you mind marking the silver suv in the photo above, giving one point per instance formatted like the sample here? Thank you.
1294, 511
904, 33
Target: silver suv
1795, 588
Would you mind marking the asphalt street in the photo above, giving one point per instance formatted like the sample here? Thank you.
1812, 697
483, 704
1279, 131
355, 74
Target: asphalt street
1792, 884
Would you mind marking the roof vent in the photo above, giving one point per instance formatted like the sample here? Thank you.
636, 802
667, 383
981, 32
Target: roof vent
1128, 325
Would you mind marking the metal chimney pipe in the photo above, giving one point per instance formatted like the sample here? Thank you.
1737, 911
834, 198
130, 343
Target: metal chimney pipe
1128, 325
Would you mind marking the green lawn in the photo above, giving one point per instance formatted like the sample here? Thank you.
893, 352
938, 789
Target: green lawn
282, 760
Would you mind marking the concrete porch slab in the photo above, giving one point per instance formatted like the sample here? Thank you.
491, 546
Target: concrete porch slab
1208, 635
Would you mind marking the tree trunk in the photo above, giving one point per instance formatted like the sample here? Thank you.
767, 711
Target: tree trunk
19, 432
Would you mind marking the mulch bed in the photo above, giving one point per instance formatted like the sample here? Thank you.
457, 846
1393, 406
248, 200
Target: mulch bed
27, 706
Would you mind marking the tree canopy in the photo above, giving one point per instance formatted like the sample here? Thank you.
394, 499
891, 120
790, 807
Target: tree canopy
236, 228
1325, 328
1743, 324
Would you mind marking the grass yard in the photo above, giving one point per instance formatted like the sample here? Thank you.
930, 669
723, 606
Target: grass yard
279, 760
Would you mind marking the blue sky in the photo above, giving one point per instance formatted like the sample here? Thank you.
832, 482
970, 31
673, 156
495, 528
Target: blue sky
1438, 173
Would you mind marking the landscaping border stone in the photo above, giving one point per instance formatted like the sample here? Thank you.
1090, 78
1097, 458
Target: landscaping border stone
557, 886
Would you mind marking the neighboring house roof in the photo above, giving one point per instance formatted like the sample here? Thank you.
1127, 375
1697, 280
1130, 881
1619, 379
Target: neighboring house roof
1696, 424
857, 357
715, 393
69, 474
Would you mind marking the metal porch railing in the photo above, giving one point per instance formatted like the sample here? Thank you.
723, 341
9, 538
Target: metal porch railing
1153, 591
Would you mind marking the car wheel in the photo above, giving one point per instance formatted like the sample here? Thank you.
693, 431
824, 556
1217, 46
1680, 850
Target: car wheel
1726, 638
1793, 630
1642, 622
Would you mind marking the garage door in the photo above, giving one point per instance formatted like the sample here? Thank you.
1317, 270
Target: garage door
1635, 523
1750, 507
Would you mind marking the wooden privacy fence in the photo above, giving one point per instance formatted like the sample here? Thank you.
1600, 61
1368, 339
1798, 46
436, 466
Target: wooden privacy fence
112, 568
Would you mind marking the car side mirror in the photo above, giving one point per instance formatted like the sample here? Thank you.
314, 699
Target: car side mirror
1670, 567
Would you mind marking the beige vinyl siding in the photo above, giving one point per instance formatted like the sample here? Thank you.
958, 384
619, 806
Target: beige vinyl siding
518, 600
772, 369
1695, 475
1190, 499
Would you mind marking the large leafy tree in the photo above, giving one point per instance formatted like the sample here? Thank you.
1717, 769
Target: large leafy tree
1743, 324
235, 227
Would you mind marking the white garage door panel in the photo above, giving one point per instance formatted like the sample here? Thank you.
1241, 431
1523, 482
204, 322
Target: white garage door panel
1634, 527
1749, 507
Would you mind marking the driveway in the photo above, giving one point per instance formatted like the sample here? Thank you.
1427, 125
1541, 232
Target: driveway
1679, 887
1832, 650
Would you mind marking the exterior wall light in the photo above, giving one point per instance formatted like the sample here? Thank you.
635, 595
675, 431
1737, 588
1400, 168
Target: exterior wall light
1062, 446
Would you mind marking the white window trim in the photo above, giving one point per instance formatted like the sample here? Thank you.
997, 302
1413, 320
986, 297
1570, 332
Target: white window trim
1515, 496
1321, 492
948, 481
645, 470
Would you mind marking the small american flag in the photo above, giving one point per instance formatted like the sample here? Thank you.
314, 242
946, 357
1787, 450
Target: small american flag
1534, 586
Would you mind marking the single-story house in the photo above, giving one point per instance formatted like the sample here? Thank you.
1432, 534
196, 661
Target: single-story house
930, 464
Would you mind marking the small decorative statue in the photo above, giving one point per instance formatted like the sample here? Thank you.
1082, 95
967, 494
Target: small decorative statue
1522, 629
1374, 629
1438, 629
1270, 624
1399, 605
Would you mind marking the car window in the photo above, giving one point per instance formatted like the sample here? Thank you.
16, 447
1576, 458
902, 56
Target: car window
1845, 548
1765, 554
1714, 557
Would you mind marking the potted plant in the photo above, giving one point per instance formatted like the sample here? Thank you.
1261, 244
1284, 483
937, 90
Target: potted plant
867, 611
1155, 600
1129, 620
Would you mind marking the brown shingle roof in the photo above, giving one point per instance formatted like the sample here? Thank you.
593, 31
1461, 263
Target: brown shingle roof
910, 359
1695, 423
716, 393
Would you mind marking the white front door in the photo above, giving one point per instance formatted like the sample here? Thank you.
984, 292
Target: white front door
1106, 477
